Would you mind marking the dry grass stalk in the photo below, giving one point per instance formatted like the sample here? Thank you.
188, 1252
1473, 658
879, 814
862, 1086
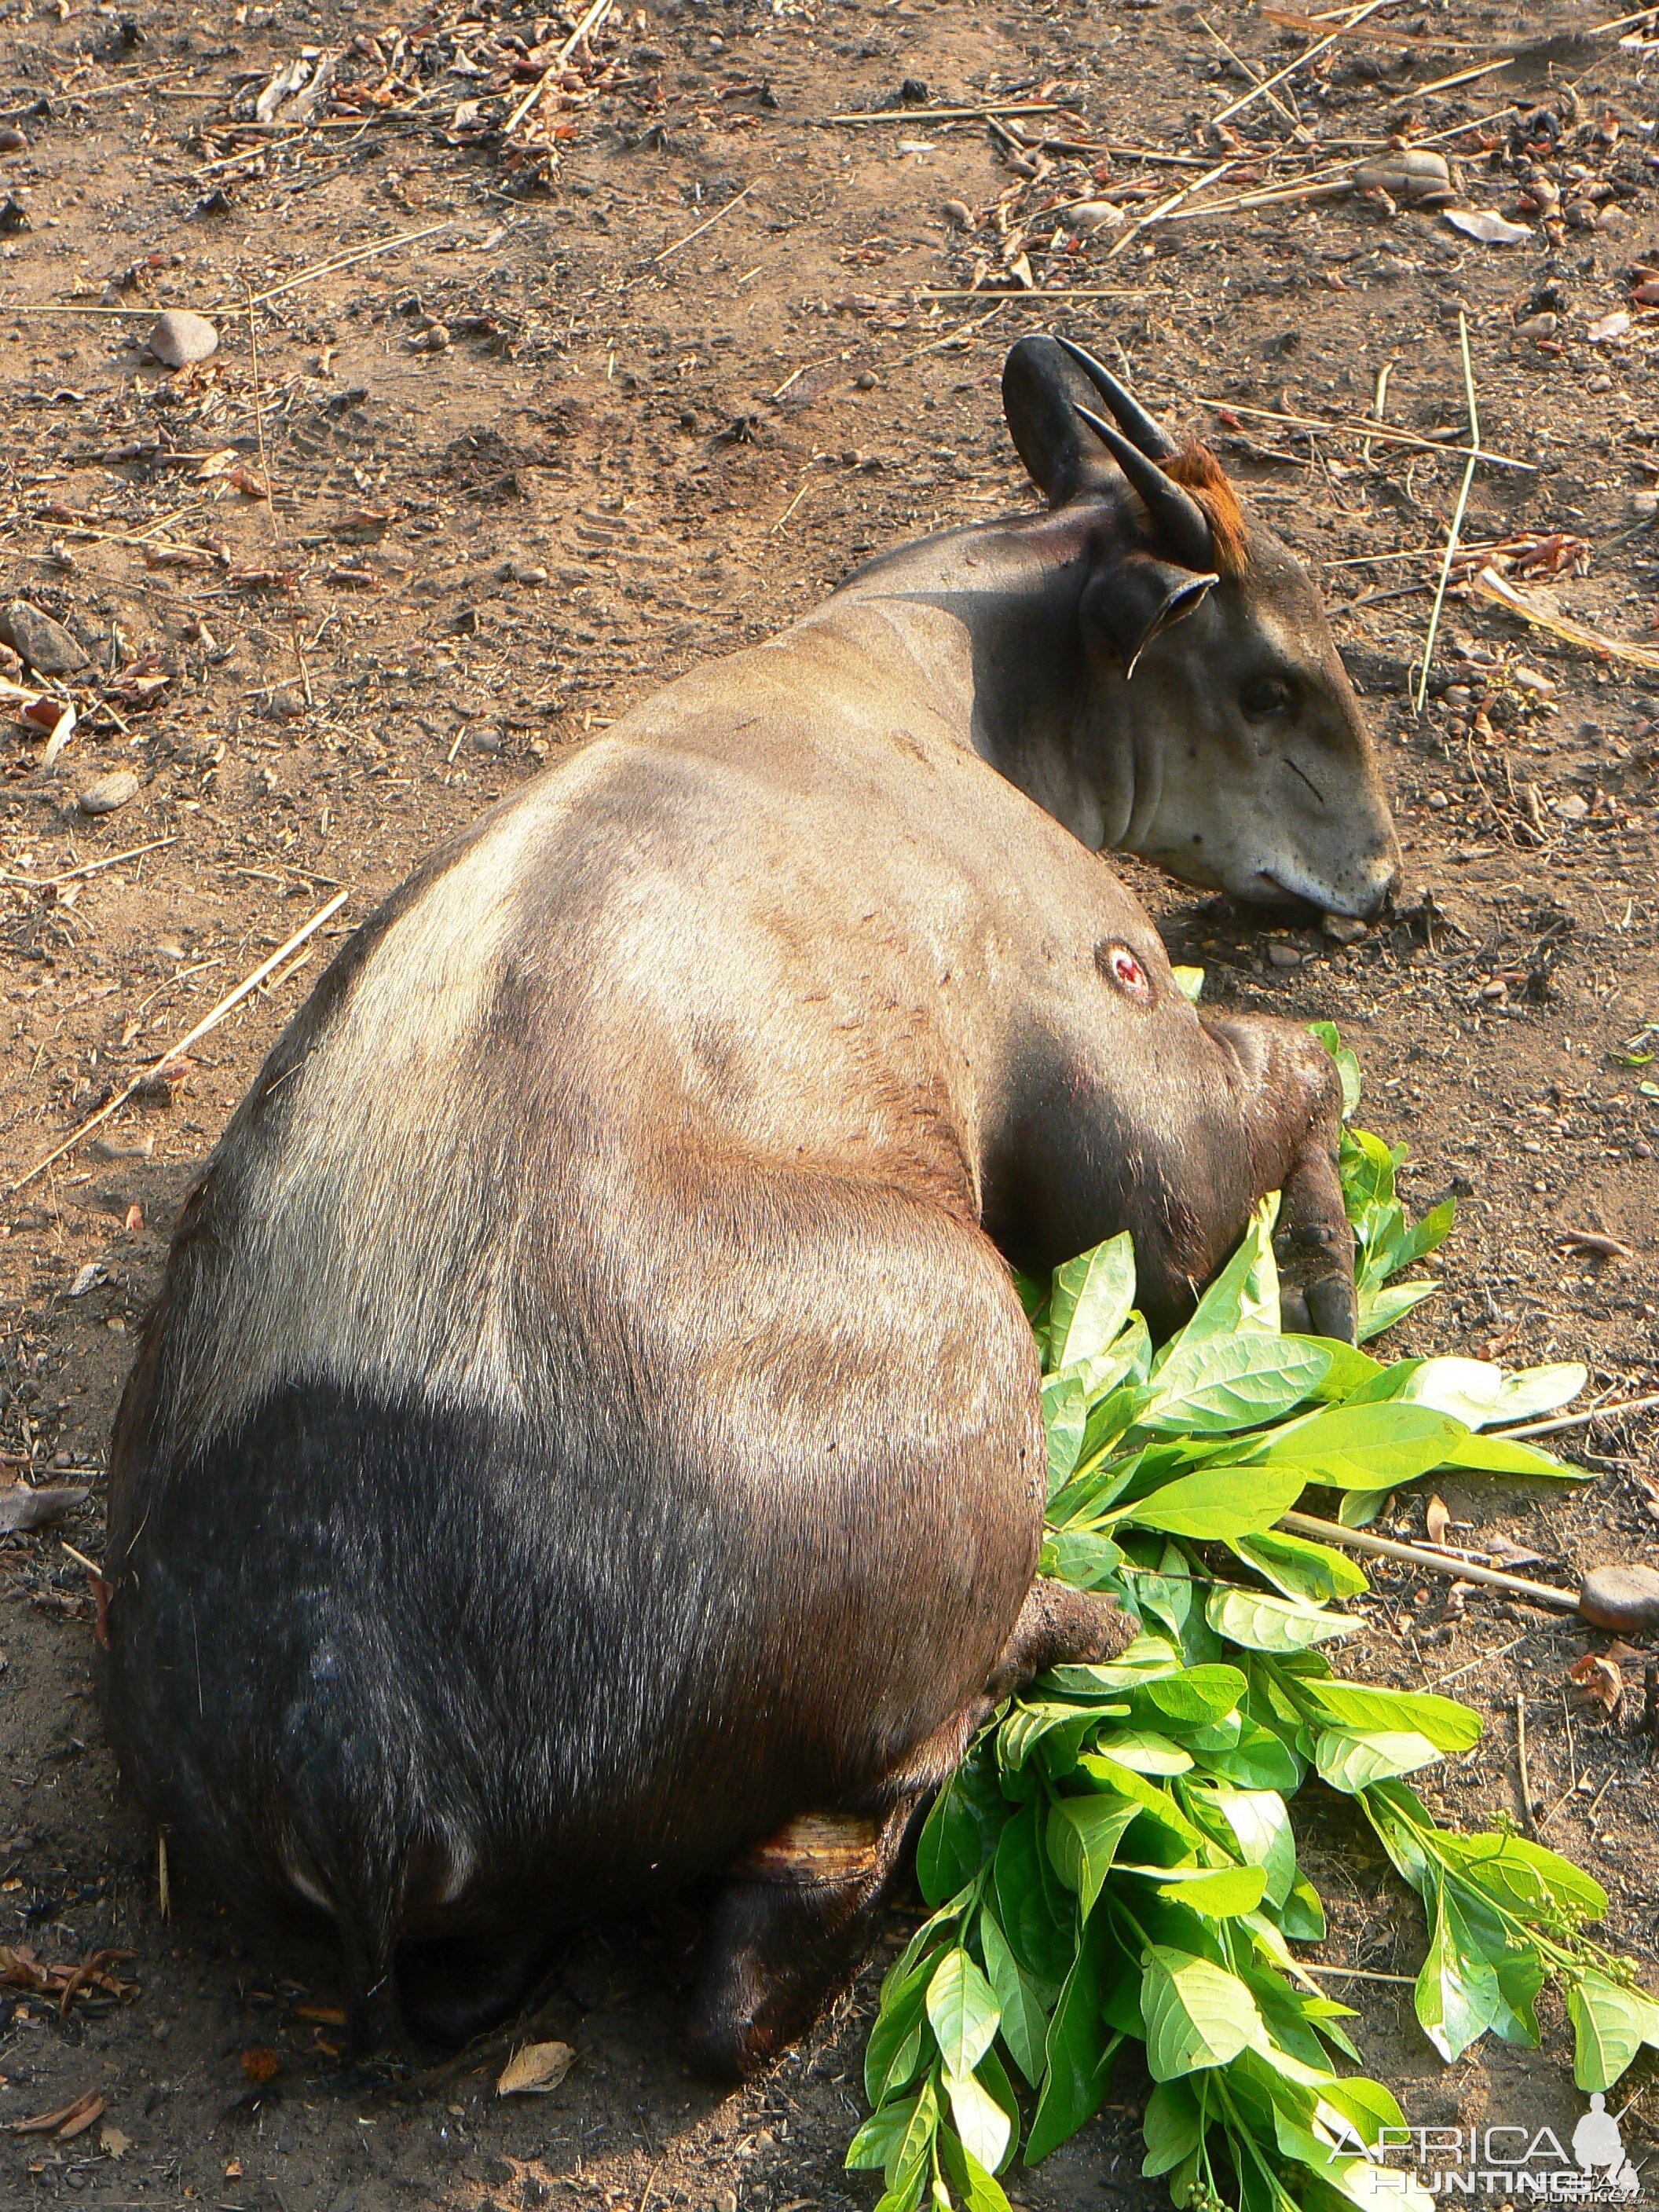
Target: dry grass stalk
1470, 467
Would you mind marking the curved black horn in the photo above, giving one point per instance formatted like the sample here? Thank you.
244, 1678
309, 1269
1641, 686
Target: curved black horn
1145, 429
1180, 520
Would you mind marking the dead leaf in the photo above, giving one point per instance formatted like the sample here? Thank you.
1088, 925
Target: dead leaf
1438, 1519
135, 1219
249, 482
24, 1507
67, 2122
1598, 1679
261, 2064
1593, 1241
112, 2142
1606, 328
1490, 230
535, 2068
218, 464
324, 2015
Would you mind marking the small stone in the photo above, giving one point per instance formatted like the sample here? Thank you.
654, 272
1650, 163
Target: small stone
1645, 503
1284, 956
36, 638
864, 381
177, 337
1439, 801
957, 212
1537, 326
1345, 928
1416, 175
1093, 214
12, 140
105, 794
1571, 806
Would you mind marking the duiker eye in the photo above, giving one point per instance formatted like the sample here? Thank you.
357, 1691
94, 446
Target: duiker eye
1265, 695
1119, 965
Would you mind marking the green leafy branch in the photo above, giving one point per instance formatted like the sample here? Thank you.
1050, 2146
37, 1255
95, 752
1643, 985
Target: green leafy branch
1114, 1858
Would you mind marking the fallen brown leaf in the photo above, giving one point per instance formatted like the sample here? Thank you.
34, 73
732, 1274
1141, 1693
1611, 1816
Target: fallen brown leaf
1593, 1241
261, 2064
1439, 1520
1598, 1679
534, 2069
22, 1507
112, 2142
68, 2121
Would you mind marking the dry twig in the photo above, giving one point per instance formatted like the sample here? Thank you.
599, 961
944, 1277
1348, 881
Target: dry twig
1475, 457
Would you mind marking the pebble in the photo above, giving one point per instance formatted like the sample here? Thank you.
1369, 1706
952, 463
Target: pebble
1284, 956
105, 794
12, 140
177, 337
35, 637
1645, 503
1538, 326
1344, 927
1093, 214
1417, 175
1439, 801
957, 212
1571, 806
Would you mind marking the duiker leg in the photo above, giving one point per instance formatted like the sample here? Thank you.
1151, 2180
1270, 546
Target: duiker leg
791, 1924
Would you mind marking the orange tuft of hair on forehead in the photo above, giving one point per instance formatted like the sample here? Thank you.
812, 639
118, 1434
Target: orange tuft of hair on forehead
1197, 469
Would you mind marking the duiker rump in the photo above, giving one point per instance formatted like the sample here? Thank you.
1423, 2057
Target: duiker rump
587, 1446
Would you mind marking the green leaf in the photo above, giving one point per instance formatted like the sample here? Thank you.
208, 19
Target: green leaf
1244, 1295
1347, 1065
985, 2129
962, 2011
912, 2153
1084, 1833
1217, 1893
1091, 1300
1144, 1751
1364, 1447
1223, 1384
1302, 1916
893, 2053
979, 2191
1190, 981
1192, 1698
1457, 1995
1083, 1557
1259, 1760
1353, 1763
1172, 2126
960, 1831
1271, 1624
1610, 2024
1532, 1392
1036, 1913
1503, 1455
1382, 1309
1300, 1569
1080, 2050
1521, 1874
1025, 2023
878, 2140
1221, 1503
1197, 2014
1359, 1708
1065, 1415
1261, 1828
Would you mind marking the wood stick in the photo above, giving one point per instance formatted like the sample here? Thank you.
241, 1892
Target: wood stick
1362, 427
724, 209
1456, 530
1527, 1815
1433, 1563
589, 23
340, 261
981, 114
1350, 22
1165, 207
89, 867
209, 1021
1606, 1413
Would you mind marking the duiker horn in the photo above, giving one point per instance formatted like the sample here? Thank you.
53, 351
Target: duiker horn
1147, 432
1181, 521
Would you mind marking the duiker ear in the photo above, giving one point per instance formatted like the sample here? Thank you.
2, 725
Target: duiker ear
1041, 392
1132, 599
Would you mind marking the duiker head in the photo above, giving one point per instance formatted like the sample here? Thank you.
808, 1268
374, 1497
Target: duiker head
1213, 667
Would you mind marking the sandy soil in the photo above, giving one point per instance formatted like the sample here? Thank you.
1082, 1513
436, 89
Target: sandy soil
617, 395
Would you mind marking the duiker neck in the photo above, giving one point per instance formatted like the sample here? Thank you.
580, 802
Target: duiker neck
1033, 709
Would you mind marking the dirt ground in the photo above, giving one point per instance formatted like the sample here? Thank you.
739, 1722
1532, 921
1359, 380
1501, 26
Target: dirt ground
543, 417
